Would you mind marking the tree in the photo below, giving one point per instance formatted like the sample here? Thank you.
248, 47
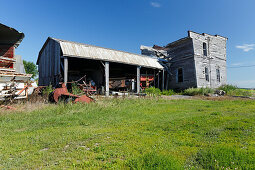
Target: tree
30, 68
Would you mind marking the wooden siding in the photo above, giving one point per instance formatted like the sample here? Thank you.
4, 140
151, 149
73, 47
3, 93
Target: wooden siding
215, 59
181, 56
49, 64
187, 53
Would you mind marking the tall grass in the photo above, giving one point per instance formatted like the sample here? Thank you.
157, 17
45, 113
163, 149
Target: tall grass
153, 161
198, 91
47, 90
168, 92
76, 89
223, 157
232, 90
152, 91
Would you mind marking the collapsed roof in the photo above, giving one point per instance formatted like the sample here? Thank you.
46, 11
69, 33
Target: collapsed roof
10, 36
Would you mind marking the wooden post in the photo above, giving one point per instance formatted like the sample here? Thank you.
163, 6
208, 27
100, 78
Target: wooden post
163, 79
106, 78
138, 79
65, 70
133, 85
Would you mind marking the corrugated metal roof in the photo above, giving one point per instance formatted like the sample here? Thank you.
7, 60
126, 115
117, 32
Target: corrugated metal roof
74, 49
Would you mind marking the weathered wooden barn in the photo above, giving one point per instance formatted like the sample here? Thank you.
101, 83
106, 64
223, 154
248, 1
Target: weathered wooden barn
14, 82
9, 40
198, 60
66, 61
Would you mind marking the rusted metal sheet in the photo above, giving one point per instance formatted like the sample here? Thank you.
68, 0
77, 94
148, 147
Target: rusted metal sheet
73, 49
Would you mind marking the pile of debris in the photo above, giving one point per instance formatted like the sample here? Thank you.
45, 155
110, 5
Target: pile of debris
14, 82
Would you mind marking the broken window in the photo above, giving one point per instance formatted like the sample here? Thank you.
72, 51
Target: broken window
206, 74
204, 49
180, 75
218, 74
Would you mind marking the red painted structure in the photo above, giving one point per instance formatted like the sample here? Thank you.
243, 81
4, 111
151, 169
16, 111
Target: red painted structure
9, 40
6, 52
146, 81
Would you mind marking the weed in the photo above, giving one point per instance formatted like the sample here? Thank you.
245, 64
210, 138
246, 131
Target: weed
47, 90
227, 87
76, 89
221, 157
152, 91
198, 91
232, 90
168, 92
154, 161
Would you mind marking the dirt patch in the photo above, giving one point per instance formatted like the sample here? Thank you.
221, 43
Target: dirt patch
214, 98
219, 98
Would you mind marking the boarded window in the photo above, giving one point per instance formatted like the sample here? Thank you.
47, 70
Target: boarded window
218, 74
180, 75
206, 74
204, 49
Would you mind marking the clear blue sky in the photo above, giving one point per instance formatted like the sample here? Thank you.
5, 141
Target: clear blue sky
127, 24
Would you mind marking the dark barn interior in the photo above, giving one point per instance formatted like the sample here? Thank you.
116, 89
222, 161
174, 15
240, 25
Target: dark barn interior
120, 75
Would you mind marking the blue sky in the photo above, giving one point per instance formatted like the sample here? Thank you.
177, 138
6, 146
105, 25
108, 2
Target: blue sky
127, 24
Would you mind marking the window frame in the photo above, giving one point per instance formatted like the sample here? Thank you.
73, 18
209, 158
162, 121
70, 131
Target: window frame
218, 74
205, 49
207, 77
178, 75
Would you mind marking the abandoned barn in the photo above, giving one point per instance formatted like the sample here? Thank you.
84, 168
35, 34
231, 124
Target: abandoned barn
100, 68
9, 40
198, 60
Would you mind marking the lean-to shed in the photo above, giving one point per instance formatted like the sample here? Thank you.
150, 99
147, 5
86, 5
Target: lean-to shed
61, 60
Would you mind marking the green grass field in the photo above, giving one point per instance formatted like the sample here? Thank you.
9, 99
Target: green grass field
131, 134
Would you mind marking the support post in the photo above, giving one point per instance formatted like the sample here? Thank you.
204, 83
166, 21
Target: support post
65, 70
106, 78
138, 79
163, 79
133, 85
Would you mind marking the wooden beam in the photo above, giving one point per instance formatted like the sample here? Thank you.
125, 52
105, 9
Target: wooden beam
106, 78
138, 70
65, 70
